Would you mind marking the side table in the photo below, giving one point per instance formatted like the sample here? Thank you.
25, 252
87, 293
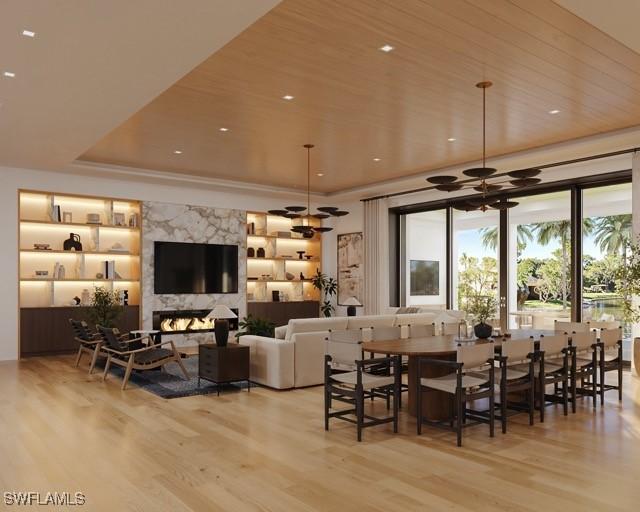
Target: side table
223, 365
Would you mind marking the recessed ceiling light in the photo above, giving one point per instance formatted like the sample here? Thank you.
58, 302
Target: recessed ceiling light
288, 97
9, 74
28, 33
386, 48
554, 112
320, 174
376, 159
451, 139
177, 152
223, 129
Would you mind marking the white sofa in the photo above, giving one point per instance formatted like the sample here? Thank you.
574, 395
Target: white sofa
294, 357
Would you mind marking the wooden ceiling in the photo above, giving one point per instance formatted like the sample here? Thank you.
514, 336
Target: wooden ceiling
357, 103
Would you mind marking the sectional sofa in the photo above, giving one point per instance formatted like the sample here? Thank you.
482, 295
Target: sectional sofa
294, 357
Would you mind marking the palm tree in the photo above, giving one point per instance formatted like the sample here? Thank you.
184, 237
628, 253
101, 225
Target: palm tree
560, 230
613, 232
490, 237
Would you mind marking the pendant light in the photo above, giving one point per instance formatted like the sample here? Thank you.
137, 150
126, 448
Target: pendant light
303, 213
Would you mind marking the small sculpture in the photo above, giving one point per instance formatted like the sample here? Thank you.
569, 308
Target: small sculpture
72, 243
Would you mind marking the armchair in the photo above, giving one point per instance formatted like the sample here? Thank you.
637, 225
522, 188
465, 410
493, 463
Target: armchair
146, 358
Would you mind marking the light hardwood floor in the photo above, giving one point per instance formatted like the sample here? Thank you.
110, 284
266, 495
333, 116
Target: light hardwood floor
266, 450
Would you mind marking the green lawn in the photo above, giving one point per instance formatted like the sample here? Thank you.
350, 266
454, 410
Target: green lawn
550, 305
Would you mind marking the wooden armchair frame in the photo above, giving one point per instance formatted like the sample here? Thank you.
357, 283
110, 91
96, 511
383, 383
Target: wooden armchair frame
127, 358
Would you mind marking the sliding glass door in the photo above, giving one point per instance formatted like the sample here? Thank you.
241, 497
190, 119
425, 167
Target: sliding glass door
607, 227
529, 258
475, 263
539, 261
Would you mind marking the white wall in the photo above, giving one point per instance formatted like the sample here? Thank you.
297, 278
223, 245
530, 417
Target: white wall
142, 189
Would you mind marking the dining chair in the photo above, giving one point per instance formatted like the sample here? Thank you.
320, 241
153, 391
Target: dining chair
450, 328
463, 385
386, 333
610, 344
353, 387
516, 374
553, 369
562, 326
422, 330
584, 366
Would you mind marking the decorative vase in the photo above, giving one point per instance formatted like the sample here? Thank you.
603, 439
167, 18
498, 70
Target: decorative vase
221, 331
72, 243
636, 355
251, 252
482, 330
260, 253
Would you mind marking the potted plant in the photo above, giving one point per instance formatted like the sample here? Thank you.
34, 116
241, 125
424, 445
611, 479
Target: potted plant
251, 325
105, 308
627, 279
328, 288
481, 308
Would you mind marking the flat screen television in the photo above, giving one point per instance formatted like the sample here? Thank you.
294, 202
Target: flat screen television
195, 268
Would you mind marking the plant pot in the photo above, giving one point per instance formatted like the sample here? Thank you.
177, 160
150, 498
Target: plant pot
482, 330
636, 355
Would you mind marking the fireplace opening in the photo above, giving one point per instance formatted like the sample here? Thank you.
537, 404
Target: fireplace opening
185, 321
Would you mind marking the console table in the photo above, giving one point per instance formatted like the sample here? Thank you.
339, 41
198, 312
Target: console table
223, 365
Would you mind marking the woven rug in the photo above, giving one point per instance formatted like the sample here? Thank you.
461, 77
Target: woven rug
171, 383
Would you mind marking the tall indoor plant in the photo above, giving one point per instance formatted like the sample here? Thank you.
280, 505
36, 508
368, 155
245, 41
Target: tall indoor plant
105, 308
328, 288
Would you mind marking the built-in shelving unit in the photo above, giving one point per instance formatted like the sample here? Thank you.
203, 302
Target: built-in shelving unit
281, 266
50, 218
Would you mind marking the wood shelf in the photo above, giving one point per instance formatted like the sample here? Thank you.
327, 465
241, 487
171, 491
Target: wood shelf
80, 253
279, 281
79, 280
280, 258
76, 224
52, 297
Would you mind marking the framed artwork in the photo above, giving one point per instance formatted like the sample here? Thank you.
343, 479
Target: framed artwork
424, 277
350, 267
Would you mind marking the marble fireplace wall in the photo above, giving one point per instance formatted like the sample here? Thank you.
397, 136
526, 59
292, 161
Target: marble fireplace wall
166, 222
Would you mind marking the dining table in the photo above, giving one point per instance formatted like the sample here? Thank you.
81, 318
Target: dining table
437, 404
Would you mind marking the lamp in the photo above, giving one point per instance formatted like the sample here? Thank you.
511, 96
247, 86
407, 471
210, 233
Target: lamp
221, 314
351, 304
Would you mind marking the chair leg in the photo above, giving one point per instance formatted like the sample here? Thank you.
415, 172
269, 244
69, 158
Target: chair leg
574, 391
459, 408
106, 367
127, 372
565, 397
419, 409
532, 400
503, 407
602, 378
492, 412
360, 411
542, 399
94, 359
327, 405
620, 380
79, 356
397, 391
181, 365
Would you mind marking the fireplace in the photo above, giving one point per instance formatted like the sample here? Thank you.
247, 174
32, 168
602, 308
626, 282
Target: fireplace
186, 321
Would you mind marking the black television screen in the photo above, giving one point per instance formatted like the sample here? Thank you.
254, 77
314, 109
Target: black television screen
195, 268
